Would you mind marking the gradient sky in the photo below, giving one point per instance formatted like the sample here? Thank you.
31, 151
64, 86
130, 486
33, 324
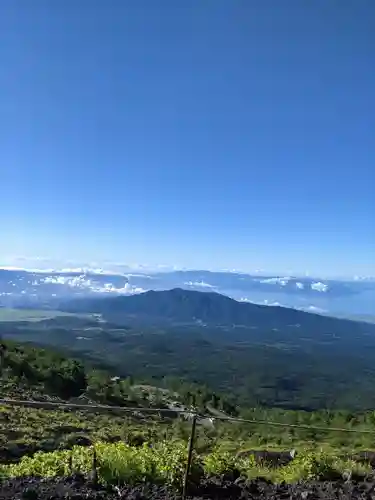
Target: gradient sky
209, 134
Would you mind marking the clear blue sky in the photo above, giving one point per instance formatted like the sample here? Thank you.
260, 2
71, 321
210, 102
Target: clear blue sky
215, 133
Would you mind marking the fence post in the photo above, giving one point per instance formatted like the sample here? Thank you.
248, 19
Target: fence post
189, 458
2, 355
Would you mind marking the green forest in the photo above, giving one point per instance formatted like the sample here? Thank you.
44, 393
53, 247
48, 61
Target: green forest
289, 368
41, 374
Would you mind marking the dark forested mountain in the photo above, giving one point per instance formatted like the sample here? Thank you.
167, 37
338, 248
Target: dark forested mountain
210, 308
182, 306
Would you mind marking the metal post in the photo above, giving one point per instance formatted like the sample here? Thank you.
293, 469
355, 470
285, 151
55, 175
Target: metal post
71, 471
2, 355
189, 458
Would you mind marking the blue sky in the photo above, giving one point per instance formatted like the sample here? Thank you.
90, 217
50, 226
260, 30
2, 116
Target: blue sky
214, 134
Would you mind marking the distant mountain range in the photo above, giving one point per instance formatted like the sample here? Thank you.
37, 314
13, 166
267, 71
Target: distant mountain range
46, 289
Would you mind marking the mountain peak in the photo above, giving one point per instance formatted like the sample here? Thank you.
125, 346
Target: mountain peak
178, 305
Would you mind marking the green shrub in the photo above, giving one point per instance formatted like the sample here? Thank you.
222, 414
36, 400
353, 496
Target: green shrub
224, 462
165, 462
117, 463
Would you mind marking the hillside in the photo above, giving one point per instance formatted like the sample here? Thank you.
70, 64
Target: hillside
179, 306
65, 440
269, 356
44, 375
39, 374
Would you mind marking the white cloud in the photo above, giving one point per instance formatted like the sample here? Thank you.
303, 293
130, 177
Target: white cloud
49, 265
82, 282
276, 281
11, 268
200, 284
314, 309
16, 268
261, 303
319, 287
74, 282
61, 270
299, 285
134, 275
126, 289
82, 270
272, 304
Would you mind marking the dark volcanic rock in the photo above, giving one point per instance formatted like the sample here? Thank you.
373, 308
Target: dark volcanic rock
218, 488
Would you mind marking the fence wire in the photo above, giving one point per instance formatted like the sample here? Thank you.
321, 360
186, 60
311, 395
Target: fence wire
192, 414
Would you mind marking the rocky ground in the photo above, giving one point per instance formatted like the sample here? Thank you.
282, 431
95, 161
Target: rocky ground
75, 488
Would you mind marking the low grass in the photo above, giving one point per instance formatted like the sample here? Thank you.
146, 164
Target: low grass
23, 431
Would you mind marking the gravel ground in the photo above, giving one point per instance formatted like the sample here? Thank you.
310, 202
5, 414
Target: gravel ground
75, 488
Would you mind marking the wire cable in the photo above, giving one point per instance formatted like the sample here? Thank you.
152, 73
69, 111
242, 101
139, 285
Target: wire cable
67, 406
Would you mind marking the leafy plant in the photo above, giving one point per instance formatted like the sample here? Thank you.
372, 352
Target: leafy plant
224, 462
166, 463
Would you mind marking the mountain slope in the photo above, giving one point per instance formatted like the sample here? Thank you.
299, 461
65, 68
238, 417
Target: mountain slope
210, 308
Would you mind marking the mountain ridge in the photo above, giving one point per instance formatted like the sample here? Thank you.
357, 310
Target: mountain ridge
190, 306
